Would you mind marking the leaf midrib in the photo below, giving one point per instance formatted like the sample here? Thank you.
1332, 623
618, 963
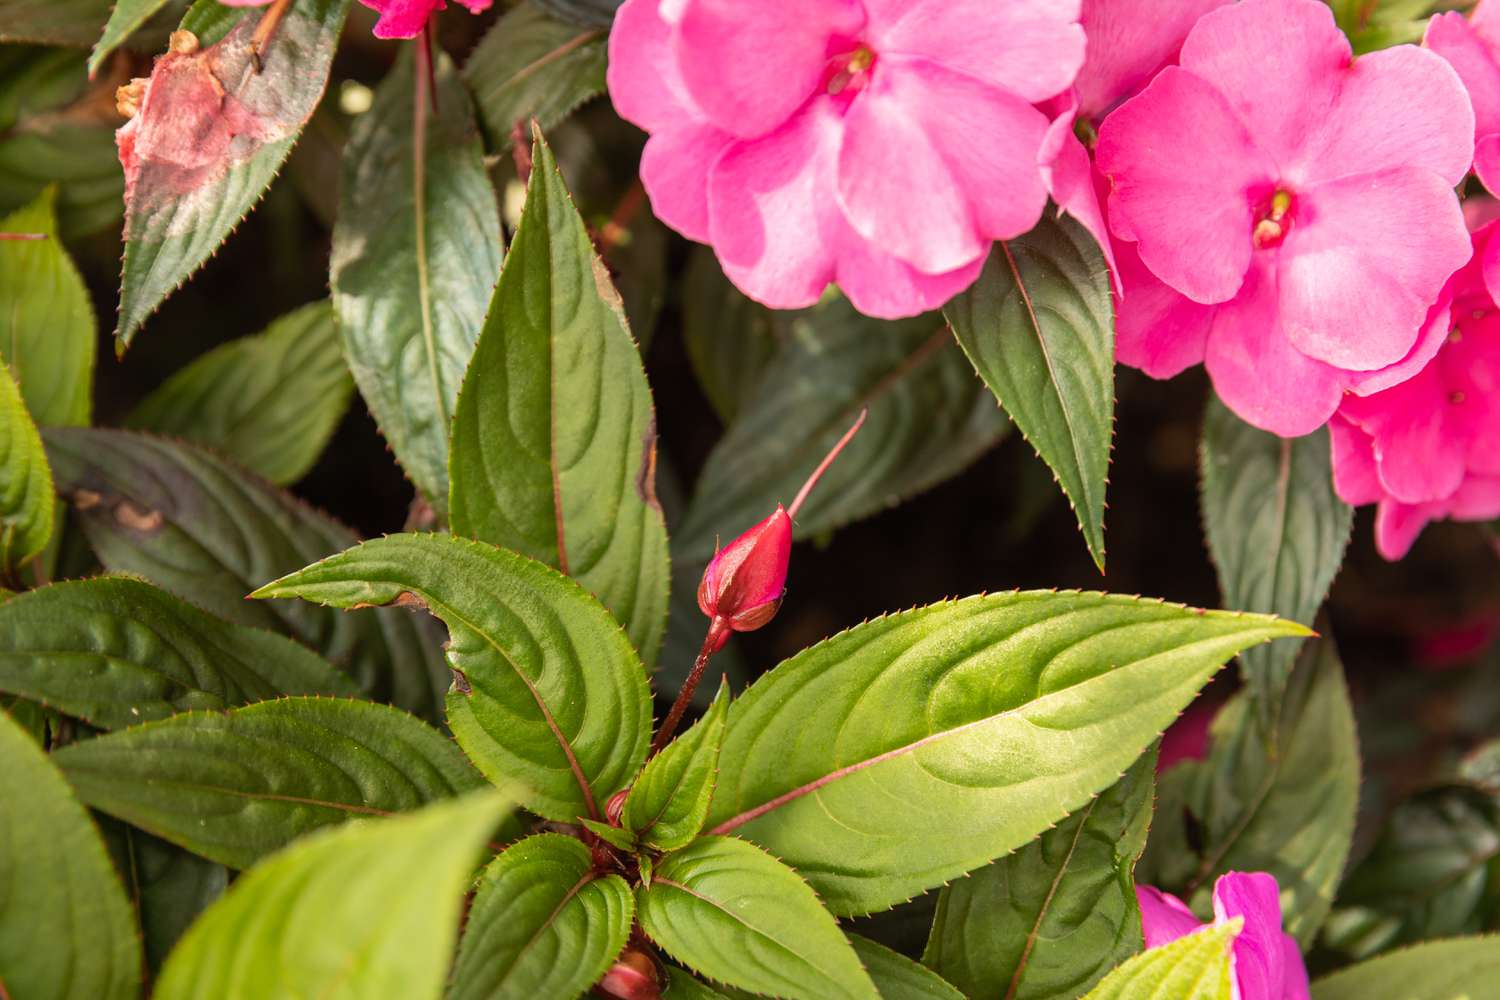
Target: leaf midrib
1041, 914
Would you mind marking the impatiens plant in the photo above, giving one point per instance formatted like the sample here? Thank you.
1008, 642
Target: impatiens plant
586, 314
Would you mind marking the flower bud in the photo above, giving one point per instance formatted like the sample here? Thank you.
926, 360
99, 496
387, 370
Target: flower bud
633, 977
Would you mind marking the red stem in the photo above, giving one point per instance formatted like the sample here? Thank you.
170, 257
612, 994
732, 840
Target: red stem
812, 480
718, 630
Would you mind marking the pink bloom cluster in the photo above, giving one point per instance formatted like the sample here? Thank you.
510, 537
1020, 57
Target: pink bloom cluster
398, 18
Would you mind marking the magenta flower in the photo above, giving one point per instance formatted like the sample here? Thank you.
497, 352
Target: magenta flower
1307, 197
1266, 962
398, 18
878, 144
1472, 47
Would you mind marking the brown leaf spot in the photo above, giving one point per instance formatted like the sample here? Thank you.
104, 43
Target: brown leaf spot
645, 478
406, 599
134, 517
461, 683
86, 499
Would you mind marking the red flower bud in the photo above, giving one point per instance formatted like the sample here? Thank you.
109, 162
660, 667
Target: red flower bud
633, 977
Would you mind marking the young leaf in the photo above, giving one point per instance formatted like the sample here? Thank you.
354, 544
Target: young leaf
928, 420
669, 801
1047, 922
47, 325
1195, 967
1289, 812
416, 250
734, 913
543, 924
855, 760
548, 695
69, 933
118, 651
1039, 328
730, 339
533, 66
898, 977
554, 441
623, 839
53, 22
270, 402
234, 786
1276, 530
26, 501
127, 16
195, 525
245, 122
168, 887
366, 910
1465, 968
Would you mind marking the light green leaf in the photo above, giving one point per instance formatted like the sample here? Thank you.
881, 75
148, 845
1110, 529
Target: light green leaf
929, 418
1456, 969
234, 786
416, 249
1289, 812
26, 500
623, 839
195, 525
855, 760
367, 910
117, 651
669, 801
734, 913
269, 402
1039, 327
543, 924
53, 22
898, 977
596, 12
56, 881
1194, 967
554, 441
730, 339
127, 16
47, 326
532, 65
168, 887
1047, 922
549, 695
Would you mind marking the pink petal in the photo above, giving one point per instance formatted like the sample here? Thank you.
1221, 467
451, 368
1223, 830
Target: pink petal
1032, 48
1418, 455
644, 84
1157, 329
1164, 917
1397, 526
1487, 162
1070, 178
1184, 172
1451, 36
1477, 500
1489, 256
750, 64
402, 18
1431, 340
912, 177
1294, 984
477, 6
1353, 451
1259, 955
1365, 260
1129, 40
674, 170
884, 287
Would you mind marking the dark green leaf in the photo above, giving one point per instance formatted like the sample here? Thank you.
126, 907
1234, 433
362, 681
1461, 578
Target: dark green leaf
635, 254
168, 886
1039, 327
416, 251
1047, 922
1276, 530
117, 651
669, 801
176, 218
1195, 967
734, 913
855, 760
54, 22
543, 924
234, 786
127, 16
595, 12
1457, 969
270, 402
549, 693
533, 65
681, 985
192, 523
730, 339
929, 418
554, 441
898, 977
26, 501
623, 839
69, 934
367, 910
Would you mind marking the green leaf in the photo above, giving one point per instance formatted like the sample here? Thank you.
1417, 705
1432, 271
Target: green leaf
543, 924
669, 801
681, 985
730, 339
367, 910
127, 16
234, 786
554, 441
898, 977
614, 835
549, 693
270, 402
1039, 328
168, 887
533, 66
929, 418
1457, 969
195, 525
47, 327
596, 12
734, 913
1047, 922
855, 760
69, 932
1289, 812
1195, 967
53, 22
118, 651
1276, 530
416, 250
26, 500
174, 221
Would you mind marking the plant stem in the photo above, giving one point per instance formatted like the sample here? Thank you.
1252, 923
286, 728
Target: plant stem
712, 643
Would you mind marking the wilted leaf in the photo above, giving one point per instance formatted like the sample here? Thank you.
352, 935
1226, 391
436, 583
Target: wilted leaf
1195, 967
26, 501
533, 65
669, 801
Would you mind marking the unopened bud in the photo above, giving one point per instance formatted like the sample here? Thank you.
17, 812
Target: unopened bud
633, 977
615, 807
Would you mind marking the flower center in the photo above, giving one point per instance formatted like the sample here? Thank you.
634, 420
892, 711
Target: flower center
1275, 221
850, 71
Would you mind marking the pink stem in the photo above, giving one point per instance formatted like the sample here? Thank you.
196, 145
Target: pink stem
817, 474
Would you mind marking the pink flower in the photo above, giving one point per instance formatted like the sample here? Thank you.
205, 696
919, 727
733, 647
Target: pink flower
879, 144
1266, 962
406, 18
1472, 47
1301, 200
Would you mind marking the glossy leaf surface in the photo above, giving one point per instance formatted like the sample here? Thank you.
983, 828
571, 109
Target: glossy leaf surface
669, 801
532, 64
